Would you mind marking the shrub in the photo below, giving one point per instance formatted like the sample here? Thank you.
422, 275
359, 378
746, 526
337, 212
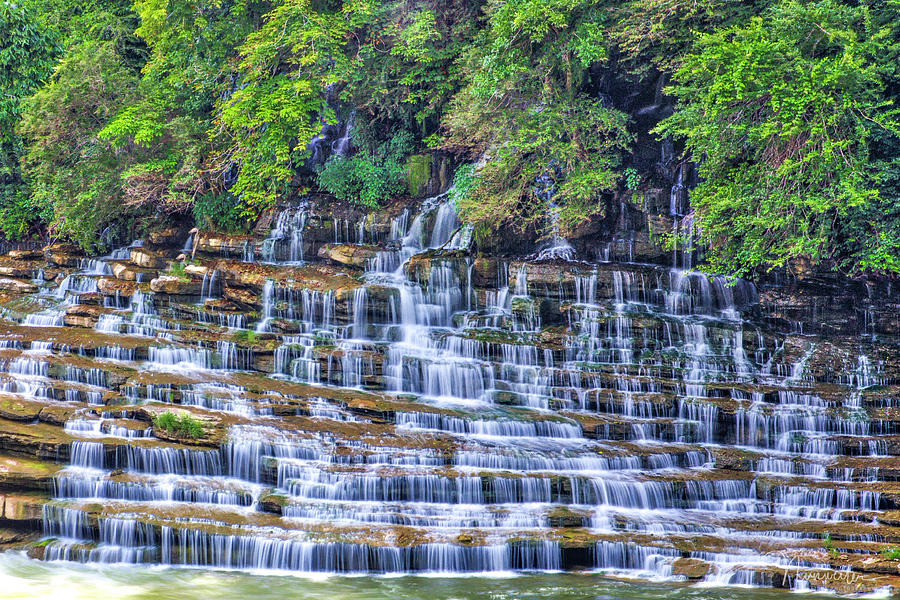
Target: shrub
178, 269
183, 426
368, 178
245, 337
220, 212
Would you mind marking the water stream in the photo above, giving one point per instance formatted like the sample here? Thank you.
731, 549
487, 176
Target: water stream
435, 415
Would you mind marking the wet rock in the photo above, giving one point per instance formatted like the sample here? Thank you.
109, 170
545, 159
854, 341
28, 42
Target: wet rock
22, 511
83, 315
63, 255
115, 287
271, 502
25, 254
16, 408
418, 174
39, 441
196, 270
17, 286
16, 269
56, 414
485, 272
243, 298
91, 298
165, 237
20, 475
691, 568
221, 244
149, 258
348, 254
128, 272
176, 286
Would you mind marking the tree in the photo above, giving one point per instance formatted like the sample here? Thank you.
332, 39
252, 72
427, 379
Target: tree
27, 55
527, 106
67, 165
781, 113
172, 118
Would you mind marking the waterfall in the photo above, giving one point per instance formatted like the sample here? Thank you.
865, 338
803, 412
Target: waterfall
436, 411
556, 247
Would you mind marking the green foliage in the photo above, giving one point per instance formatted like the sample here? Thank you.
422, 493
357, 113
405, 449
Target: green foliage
183, 426
27, 55
891, 553
655, 34
172, 118
245, 337
829, 546
162, 107
783, 111
632, 179
286, 68
527, 105
178, 269
464, 181
219, 212
368, 178
71, 170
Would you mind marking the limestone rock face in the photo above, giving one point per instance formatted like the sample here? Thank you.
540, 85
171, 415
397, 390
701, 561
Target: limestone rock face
15, 285
221, 244
149, 258
165, 237
17, 269
348, 254
196, 270
83, 315
112, 287
691, 568
16, 408
25, 254
176, 286
129, 272
63, 255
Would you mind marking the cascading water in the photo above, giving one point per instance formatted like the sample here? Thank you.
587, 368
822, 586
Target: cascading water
557, 247
441, 412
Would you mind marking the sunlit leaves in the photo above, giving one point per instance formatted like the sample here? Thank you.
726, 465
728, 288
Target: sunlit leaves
779, 113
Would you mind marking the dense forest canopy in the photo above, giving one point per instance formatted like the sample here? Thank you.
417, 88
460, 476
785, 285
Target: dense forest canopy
115, 114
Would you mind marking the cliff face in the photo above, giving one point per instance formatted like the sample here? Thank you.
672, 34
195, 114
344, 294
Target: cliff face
344, 391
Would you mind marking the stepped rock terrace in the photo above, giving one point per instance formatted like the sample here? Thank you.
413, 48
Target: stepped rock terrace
370, 396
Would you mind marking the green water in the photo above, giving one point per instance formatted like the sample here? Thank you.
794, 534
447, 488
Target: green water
22, 578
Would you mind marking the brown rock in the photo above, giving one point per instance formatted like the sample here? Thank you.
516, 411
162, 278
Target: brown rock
23, 508
176, 286
24, 475
150, 259
63, 255
83, 315
348, 254
16, 269
110, 287
691, 568
16, 408
25, 254
15, 285
56, 414
166, 237
127, 272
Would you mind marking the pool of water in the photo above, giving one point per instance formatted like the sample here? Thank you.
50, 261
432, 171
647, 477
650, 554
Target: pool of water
22, 578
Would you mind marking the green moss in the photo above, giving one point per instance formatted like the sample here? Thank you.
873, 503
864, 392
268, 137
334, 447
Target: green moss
418, 173
245, 337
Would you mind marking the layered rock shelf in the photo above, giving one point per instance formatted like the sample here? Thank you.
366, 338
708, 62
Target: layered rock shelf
368, 394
